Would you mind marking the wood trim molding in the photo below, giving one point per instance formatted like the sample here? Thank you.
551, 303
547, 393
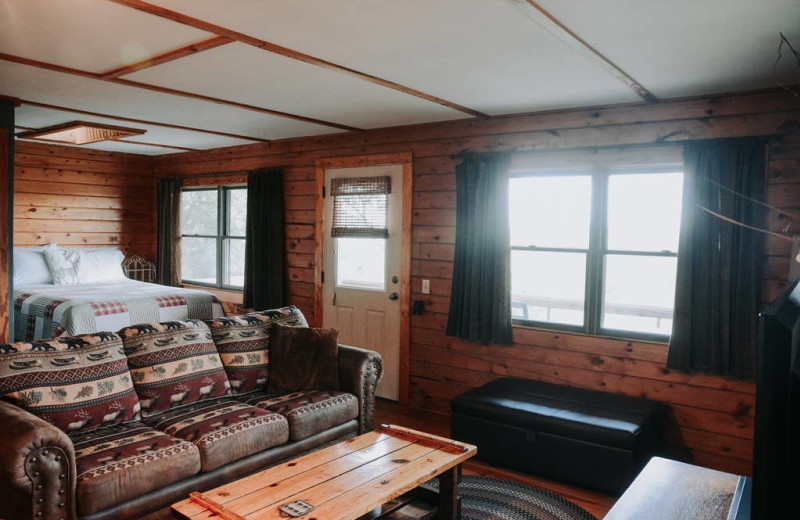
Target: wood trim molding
541, 16
289, 53
406, 160
175, 54
5, 238
141, 121
165, 90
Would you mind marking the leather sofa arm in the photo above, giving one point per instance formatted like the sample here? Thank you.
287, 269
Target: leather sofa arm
360, 371
37, 468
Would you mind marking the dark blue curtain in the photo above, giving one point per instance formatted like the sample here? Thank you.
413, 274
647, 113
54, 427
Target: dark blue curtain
168, 241
717, 295
264, 266
480, 301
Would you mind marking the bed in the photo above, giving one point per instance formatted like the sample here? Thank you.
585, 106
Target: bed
47, 310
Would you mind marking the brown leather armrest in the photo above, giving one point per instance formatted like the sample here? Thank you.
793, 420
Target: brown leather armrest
360, 371
37, 468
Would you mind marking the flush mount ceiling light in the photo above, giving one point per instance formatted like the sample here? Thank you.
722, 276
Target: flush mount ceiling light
80, 132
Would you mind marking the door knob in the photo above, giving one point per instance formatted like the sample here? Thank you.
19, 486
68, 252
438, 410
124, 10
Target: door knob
394, 296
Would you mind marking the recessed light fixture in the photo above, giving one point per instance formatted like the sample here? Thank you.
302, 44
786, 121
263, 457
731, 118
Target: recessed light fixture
80, 132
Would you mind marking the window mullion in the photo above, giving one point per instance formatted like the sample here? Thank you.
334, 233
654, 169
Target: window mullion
221, 205
594, 260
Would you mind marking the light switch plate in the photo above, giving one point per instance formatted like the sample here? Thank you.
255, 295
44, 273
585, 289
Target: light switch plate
426, 286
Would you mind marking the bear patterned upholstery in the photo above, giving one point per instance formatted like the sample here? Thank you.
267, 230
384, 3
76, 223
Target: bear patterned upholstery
118, 463
77, 383
223, 429
173, 363
309, 411
243, 343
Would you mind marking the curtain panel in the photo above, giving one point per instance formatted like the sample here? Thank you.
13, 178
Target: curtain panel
480, 301
717, 294
264, 266
168, 246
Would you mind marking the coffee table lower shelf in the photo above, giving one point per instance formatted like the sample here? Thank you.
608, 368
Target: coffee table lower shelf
375, 475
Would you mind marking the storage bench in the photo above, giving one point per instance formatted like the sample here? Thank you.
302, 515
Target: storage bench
584, 437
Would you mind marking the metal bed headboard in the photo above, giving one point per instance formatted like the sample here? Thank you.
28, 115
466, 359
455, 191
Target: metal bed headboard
138, 268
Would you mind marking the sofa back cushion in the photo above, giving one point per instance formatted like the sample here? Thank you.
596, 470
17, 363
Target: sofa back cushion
76, 383
243, 344
173, 363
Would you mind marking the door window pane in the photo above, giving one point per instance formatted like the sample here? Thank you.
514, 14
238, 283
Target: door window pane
548, 287
199, 259
550, 211
199, 212
639, 293
361, 263
237, 212
234, 262
644, 211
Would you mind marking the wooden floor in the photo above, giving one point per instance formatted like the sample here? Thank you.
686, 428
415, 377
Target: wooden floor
392, 413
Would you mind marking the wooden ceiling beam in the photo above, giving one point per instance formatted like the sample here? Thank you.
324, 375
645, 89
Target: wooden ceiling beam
541, 16
119, 140
164, 90
288, 53
175, 54
141, 121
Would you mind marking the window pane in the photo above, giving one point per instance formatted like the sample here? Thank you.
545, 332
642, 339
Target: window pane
199, 259
644, 211
234, 251
550, 211
237, 212
639, 293
548, 286
361, 263
199, 212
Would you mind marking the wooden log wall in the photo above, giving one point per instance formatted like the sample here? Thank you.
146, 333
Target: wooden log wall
81, 197
713, 416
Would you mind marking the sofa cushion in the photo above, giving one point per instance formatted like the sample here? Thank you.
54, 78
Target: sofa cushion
223, 429
124, 461
243, 342
75, 383
308, 412
173, 363
304, 359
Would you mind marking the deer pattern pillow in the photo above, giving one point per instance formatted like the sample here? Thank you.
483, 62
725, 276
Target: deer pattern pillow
75, 383
173, 363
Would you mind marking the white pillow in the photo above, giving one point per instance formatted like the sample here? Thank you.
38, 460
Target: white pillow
101, 265
30, 266
63, 266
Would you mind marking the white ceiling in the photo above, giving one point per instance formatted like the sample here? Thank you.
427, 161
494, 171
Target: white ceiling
486, 55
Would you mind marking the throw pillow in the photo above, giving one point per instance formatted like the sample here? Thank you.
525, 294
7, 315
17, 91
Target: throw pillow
303, 359
243, 344
173, 363
76, 383
63, 266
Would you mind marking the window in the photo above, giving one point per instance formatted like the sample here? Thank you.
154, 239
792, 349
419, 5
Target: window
213, 224
595, 250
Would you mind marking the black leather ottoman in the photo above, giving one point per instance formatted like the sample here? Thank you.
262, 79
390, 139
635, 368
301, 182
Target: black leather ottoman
584, 437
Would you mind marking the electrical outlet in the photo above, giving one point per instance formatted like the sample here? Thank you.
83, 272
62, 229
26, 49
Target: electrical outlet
426, 286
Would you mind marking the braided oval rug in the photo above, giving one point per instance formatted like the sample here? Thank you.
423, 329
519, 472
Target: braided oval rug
484, 498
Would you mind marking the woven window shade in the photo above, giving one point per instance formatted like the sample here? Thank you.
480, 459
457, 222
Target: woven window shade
360, 207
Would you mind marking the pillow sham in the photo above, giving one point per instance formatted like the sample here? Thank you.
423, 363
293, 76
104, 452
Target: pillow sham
101, 265
63, 266
30, 266
303, 358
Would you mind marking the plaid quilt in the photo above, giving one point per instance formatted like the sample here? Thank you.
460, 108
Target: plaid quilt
45, 311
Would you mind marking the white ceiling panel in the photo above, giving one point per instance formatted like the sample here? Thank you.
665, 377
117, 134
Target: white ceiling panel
36, 117
688, 47
116, 146
87, 94
486, 55
250, 75
93, 35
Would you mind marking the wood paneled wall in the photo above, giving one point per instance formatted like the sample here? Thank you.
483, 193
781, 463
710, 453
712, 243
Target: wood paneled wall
713, 416
81, 197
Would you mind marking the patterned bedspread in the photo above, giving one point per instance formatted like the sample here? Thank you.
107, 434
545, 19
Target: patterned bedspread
44, 311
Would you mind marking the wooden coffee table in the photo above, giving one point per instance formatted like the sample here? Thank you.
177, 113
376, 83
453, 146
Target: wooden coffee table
342, 482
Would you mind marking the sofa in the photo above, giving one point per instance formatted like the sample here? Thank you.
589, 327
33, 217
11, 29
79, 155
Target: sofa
122, 425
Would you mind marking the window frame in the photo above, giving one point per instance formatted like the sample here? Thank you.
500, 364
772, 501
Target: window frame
222, 236
598, 250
